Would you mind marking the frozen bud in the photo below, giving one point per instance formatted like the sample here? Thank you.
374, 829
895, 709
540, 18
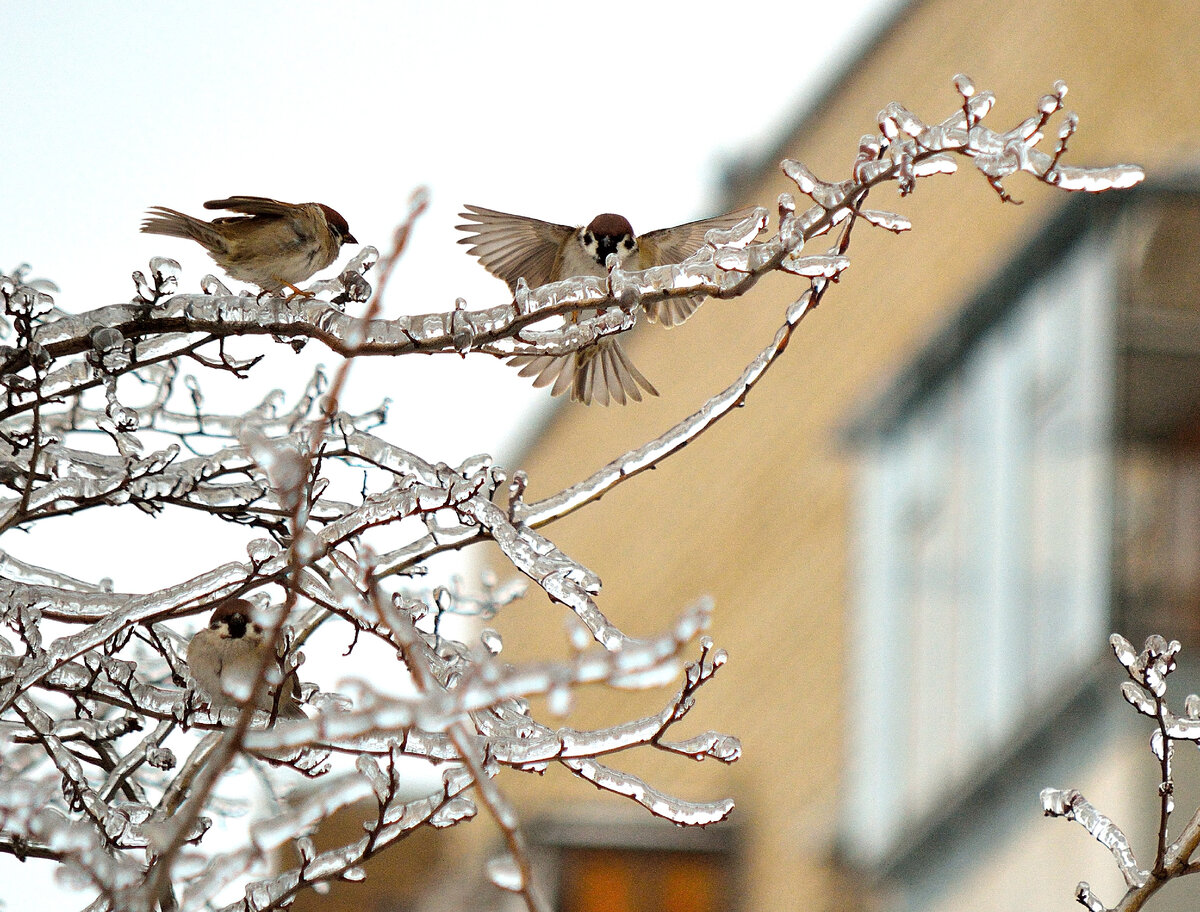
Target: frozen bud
935, 164
125, 419
1160, 747
454, 810
1086, 898
258, 896
887, 220
462, 332
1155, 645
166, 275
1136, 696
211, 285
518, 484
111, 351
142, 287
38, 356
355, 288
380, 783
16, 383
306, 849
162, 758
799, 173
261, 550
725, 748
1123, 650
1058, 802
106, 338
1191, 706
286, 468
491, 640
521, 296
119, 671
364, 260
964, 85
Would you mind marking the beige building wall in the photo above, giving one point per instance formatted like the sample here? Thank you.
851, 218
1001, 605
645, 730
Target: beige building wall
756, 512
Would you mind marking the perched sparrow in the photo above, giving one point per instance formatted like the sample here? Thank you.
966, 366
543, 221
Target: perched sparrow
273, 245
513, 246
223, 659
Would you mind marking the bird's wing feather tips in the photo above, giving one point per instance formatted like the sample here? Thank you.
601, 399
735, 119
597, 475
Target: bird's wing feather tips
511, 247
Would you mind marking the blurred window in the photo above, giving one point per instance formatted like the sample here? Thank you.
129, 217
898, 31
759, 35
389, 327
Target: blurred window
633, 880
981, 549
618, 863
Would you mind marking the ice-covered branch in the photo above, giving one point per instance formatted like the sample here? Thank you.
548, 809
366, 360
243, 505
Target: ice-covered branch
906, 149
1146, 691
116, 755
1071, 805
651, 454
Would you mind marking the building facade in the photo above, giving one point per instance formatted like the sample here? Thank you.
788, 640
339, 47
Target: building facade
976, 459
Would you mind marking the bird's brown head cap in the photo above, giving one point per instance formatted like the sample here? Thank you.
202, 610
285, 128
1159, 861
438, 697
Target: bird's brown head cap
338, 223
609, 224
235, 614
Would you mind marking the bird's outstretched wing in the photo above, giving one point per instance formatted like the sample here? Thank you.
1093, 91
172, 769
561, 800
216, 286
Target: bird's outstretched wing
674, 245
514, 246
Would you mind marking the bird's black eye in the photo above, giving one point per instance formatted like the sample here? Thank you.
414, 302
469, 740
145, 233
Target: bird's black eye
587, 238
627, 243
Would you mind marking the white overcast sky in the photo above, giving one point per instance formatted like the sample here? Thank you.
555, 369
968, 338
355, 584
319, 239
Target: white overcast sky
559, 110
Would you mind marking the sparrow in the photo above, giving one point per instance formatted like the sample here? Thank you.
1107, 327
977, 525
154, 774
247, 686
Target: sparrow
272, 245
511, 247
224, 657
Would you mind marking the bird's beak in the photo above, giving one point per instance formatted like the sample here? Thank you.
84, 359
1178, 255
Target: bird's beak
349, 239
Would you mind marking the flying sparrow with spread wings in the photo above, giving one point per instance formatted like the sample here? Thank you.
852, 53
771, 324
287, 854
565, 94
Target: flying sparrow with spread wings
224, 659
511, 247
272, 244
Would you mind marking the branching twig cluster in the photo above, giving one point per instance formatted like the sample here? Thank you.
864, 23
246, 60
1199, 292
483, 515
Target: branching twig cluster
1145, 691
113, 760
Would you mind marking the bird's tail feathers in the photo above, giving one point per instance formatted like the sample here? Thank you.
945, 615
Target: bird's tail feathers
673, 311
161, 220
601, 373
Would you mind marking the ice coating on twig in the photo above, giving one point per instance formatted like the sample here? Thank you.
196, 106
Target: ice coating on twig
1146, 691
1073, 806
120, 373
